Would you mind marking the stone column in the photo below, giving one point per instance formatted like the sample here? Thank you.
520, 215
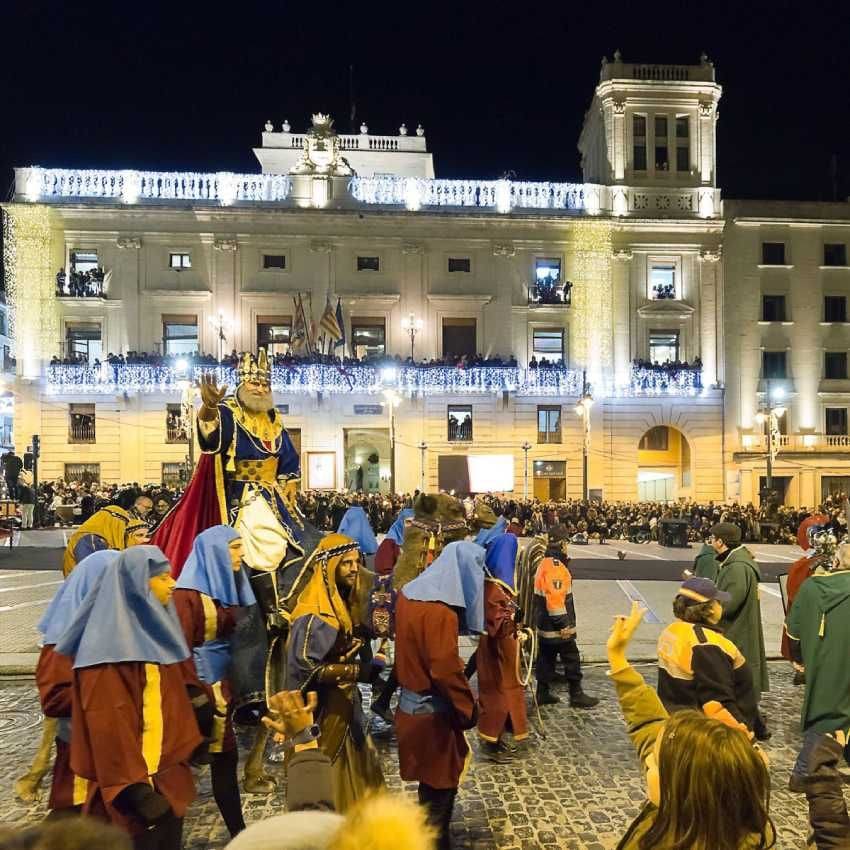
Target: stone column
622, 291
126, 286
619, 140
225, 300
710, 319
413, 301
707, 119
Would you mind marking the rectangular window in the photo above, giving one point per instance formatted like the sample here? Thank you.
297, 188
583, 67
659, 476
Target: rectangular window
773, 253
836, 421
368, 337
81, 423
683, 150
549, 423
834, 254
84, 261
835, 308
460, 423
663, 346
682, 129
368, 264
835, 365
460, 264
179, 260
175, 430
639, 142
274, 261
655, 440
661, 128
83, 473
179, 335
662, 162
274, 334
773, 365
82, 342
173, 475
683, 159
773, 308
547, 269
459, 338
662, 279
548, 344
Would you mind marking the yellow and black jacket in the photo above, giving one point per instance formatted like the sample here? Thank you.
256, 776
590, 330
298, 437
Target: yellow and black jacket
699, 668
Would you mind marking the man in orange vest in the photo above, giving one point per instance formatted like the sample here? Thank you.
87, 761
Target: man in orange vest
555, 619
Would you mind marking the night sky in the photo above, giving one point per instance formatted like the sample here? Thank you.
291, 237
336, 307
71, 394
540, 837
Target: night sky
499, 88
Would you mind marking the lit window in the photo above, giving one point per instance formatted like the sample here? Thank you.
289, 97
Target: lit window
547, 269
179, 261
460, 423
274, 261
368, 264
175, 429
173, 474
81, 423
548, 344
549, 423
83, 473
655, 439
274, 334
460, 264
368, 337
662, 279
663, 346
84, 261
82, 342
179, 335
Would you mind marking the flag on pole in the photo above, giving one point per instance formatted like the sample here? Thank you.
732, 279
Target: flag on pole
299, 325
329, 324
341, 325
311, 326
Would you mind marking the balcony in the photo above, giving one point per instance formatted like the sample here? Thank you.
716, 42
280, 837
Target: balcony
550, 294
798, 443
81, 429
87, 284
656, 379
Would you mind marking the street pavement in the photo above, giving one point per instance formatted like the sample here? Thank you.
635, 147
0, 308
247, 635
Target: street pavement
577, 789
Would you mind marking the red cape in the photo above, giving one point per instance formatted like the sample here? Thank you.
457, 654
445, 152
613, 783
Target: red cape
201, 506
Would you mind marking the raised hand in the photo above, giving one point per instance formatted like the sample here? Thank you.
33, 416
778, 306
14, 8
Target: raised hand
623, 629
290, 713
211, 396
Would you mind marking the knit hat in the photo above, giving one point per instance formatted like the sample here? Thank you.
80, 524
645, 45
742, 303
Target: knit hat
728, 532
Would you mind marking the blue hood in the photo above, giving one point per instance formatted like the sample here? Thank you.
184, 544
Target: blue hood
500, 560
355, 524
457, 578
121, 619
71, 594
396, 532
488, 535
208, 569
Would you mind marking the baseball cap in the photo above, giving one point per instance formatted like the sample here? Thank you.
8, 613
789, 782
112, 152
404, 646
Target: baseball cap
699, 590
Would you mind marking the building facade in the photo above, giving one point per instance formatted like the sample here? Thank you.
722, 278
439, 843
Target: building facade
556, 291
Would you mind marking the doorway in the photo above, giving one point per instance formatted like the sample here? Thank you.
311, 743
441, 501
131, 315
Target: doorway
367, 459
664, 465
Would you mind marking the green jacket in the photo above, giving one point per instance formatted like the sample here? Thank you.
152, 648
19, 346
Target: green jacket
739, 576
705, 564
645, 717
820, 620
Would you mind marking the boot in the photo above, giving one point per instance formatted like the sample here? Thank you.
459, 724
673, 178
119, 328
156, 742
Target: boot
256, 780
760, 729
545, 696
493, 752
579, 699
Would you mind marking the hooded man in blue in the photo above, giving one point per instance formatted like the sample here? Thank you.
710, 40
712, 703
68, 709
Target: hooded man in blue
133, 728
437, 704
54, 674
211, 593
355, 524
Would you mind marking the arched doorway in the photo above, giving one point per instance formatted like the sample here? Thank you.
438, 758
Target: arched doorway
664, 465
367, 459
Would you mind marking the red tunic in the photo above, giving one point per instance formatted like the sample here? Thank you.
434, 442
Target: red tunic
202, 622
132, 723
431, 747
501, 697
386, 556
53, 675
800, 570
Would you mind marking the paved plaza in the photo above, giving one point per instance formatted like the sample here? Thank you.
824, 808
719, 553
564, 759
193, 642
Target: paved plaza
576, 790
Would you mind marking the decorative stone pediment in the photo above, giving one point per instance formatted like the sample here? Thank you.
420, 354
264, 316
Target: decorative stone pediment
321, 153
666, 308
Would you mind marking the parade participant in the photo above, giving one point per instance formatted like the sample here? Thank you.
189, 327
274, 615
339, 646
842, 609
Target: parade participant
698, 667
109, 528
322, 656
555, 620
501, 696
707, 785
487, 535
436, 704
739, 576
705, 563
390, 547
133, 728
209, 594
355, 524
803, 567
54, 674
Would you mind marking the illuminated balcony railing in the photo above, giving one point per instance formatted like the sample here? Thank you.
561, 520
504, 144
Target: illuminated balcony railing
798, 443
666, 380
307, 378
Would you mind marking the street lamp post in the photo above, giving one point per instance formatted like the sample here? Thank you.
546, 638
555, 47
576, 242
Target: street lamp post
221, 326
583, 410
422, 448
526, 446
187, 411
393, 400
770, 413
411, 325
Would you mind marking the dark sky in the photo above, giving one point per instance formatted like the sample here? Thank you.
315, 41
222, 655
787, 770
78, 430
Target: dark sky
498, 87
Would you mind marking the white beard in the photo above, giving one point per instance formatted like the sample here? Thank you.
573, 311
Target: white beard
263, 404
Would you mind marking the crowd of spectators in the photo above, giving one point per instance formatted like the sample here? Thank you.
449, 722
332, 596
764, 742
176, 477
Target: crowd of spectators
84, 284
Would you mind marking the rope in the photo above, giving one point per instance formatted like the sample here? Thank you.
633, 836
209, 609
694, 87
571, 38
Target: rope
522, 653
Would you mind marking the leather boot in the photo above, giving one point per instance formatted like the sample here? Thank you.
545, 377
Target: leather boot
545, 696
579, 699
493, 752
256, 780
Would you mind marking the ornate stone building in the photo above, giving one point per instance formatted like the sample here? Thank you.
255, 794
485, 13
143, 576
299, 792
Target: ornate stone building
588, 277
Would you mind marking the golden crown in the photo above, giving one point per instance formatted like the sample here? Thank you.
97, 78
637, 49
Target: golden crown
255, 369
